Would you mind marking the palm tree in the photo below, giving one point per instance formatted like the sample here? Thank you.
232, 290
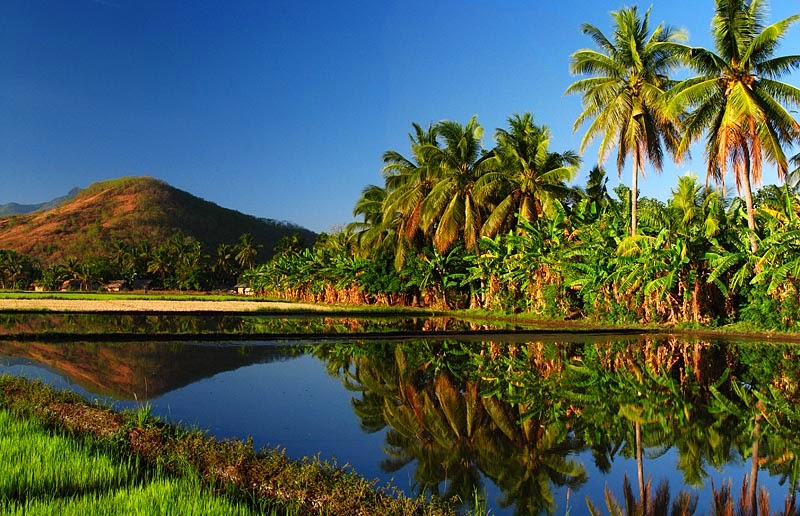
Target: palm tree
246, 251
526, 176
737, 99
161, 263
224, 265
794, 175
370, 232
625, 96
451, 209
408, 181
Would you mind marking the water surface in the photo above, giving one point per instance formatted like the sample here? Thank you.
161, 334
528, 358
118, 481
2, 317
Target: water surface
525, 423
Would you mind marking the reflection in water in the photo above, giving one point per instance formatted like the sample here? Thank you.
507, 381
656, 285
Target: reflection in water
141, 370
534, 420
42, 323
519, 414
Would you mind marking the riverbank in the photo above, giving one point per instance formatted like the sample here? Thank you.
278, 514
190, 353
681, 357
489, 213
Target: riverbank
266, 478
209, 304
125, 304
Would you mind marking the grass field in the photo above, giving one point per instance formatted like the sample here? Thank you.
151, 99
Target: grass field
98, 461
104, 296
48, 473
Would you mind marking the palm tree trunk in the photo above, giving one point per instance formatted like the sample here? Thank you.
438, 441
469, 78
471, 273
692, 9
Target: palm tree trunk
634, 195
640, 465
751, 218
753, 486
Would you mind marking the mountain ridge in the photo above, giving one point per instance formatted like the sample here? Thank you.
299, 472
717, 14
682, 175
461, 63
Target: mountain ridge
13, 208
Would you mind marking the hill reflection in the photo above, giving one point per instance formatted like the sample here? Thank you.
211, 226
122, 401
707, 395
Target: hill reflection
140, 370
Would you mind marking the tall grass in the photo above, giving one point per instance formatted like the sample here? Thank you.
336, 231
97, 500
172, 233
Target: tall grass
47, 473
266, 482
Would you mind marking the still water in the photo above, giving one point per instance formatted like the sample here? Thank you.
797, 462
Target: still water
530, 425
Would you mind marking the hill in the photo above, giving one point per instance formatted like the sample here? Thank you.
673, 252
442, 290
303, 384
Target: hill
134, 210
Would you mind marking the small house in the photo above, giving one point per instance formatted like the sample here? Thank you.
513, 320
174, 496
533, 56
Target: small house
243, 289
116, 286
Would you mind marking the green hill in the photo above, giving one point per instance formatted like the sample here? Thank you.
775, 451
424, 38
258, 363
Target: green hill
134, 210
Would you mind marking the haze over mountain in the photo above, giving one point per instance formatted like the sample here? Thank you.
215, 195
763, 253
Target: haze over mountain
14, 208
133, 210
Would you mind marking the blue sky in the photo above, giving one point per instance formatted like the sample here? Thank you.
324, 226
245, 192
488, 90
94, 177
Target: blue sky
282, 109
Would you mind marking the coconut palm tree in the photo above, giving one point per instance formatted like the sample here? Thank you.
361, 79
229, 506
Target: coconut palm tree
369, 232
246, 251
161, 263
526, 177
224, 266
450, 210
795, 174
624, 97
408, 181
737, 99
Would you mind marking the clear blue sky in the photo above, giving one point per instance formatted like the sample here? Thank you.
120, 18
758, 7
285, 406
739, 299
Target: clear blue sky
282, 109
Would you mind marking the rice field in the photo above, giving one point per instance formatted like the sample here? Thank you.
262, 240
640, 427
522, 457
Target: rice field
48, 473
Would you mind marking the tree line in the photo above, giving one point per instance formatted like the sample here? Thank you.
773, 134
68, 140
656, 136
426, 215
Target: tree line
181, 263
455, 224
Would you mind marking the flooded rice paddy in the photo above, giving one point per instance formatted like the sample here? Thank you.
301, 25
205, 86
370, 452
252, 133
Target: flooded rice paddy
530, 422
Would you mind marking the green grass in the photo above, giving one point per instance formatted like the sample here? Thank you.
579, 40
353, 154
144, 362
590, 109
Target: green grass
48, 473
153, 455
326, 309
113, 295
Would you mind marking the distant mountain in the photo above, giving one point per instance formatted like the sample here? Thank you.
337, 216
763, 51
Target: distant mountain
134, 210
13, 208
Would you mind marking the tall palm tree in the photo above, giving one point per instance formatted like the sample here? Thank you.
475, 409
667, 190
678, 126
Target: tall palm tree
224, 263
408, 181
794, 176
451, 209
161, 263
370, 231
624, 97
737, 99
525, 175
246, 251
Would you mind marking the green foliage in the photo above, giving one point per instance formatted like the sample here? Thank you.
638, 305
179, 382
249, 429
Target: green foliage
50, 473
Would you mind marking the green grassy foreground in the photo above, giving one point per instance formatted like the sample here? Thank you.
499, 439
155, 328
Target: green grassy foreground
46, 472
104, 296
66, 456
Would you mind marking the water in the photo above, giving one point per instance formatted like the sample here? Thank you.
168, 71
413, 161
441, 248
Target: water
560, 419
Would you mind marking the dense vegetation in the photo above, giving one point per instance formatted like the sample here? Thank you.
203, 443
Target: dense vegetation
459, 225
180, 264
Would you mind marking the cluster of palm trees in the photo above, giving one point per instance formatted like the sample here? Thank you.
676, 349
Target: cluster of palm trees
179, 264
500, 227
736, 99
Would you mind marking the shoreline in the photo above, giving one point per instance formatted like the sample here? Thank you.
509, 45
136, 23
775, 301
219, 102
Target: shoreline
152, 305
143, 305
